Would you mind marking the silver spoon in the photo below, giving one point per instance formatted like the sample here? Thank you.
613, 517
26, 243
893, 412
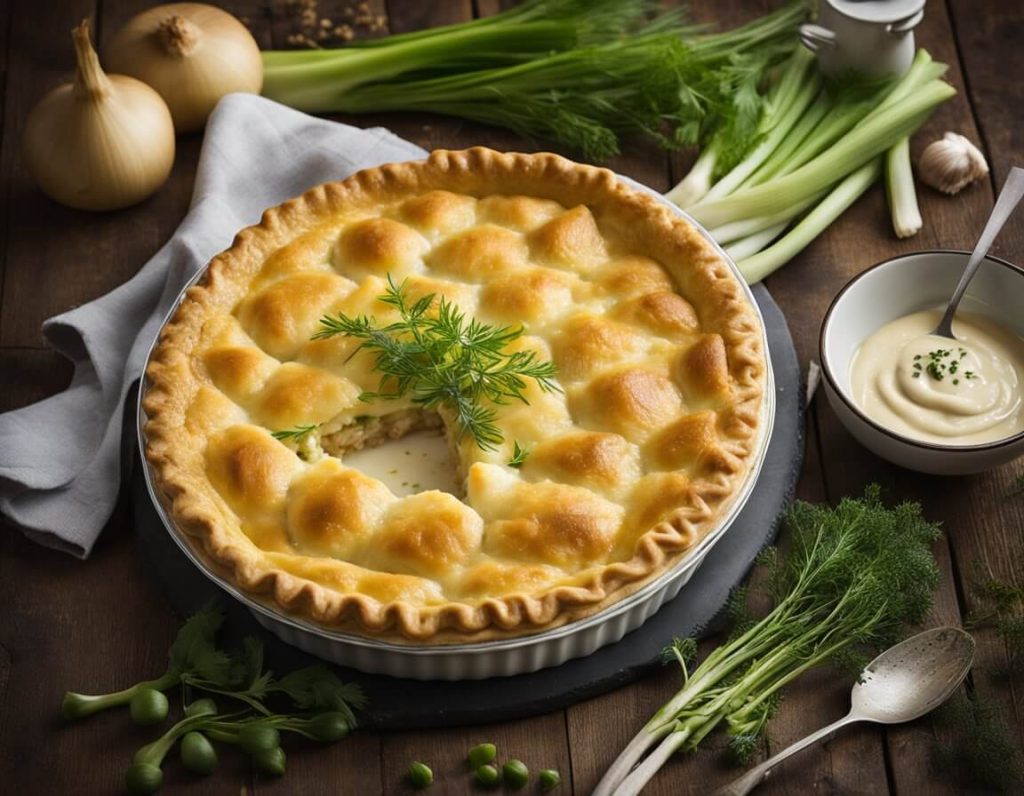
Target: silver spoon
902, 684
1013, 190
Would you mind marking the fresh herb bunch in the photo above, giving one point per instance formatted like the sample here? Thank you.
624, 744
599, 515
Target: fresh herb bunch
853, 577
581, 72
327, 705
442, 359
981, 753
1000, 607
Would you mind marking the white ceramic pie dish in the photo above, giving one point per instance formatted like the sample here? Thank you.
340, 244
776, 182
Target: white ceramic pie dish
492, 658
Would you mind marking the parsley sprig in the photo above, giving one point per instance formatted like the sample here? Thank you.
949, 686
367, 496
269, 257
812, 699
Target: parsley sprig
443, 358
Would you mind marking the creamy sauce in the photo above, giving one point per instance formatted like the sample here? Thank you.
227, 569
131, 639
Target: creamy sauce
951, 392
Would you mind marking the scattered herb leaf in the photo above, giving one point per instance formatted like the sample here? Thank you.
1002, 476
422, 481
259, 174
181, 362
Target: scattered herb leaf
294, 434
518, 456
981, 755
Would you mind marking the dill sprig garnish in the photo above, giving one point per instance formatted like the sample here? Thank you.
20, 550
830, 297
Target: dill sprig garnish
294, 434
519, 455
441, 358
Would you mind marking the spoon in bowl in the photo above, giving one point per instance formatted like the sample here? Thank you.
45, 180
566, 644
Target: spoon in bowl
904, 683
1013, 190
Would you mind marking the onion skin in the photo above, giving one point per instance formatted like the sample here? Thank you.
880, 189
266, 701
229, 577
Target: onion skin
100, 143
192, 54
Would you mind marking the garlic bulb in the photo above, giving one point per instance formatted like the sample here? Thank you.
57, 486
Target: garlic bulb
951, 164
101, 142
192, 54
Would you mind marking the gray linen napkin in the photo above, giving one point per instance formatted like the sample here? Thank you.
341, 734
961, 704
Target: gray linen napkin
60, 458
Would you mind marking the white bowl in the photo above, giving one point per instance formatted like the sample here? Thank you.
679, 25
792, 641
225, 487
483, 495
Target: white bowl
890, 290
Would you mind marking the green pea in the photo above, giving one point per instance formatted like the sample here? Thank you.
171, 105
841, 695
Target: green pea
481, 755
487, 776
549, 779
515, 773
143, 778
329, 726
271, 762
198, 754
148, 707
201, 707
420, 775
254, 738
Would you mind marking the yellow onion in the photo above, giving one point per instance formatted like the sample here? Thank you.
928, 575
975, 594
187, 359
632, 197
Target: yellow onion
192, 54
100, 142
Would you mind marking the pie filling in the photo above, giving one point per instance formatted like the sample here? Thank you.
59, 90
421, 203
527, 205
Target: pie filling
593, 486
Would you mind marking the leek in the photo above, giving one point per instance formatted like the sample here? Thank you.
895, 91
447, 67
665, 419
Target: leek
818, 148
728, 233
791, 103
753, 243
875, 134
899, 188
581, 72
757, 267
697, 182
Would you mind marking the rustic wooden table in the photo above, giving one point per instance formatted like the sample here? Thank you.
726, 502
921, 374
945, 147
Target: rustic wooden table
99, 624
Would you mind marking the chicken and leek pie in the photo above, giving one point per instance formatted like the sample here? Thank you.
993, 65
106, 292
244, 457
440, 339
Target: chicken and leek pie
594, 479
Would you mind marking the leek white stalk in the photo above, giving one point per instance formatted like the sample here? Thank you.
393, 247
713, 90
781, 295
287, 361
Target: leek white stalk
745, 227
753, 243
692, 188
101, 142
899, 188
760, 265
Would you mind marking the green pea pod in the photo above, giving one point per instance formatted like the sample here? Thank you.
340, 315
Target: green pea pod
271, 762
198, 754
487, 776
328, 727
143, 778
420, 775
148, 707
549, 779
481, 755
255, 738
516, 774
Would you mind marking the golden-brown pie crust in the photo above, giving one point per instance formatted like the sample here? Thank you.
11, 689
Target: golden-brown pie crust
561, 551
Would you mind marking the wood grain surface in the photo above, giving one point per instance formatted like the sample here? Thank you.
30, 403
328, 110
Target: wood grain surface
99, 625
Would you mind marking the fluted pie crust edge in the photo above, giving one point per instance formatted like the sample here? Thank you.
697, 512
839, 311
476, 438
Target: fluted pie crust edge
192, 502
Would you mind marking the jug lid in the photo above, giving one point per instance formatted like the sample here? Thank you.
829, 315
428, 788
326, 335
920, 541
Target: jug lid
877, 10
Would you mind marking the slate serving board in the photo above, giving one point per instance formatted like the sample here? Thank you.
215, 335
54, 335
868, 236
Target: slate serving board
408, 704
